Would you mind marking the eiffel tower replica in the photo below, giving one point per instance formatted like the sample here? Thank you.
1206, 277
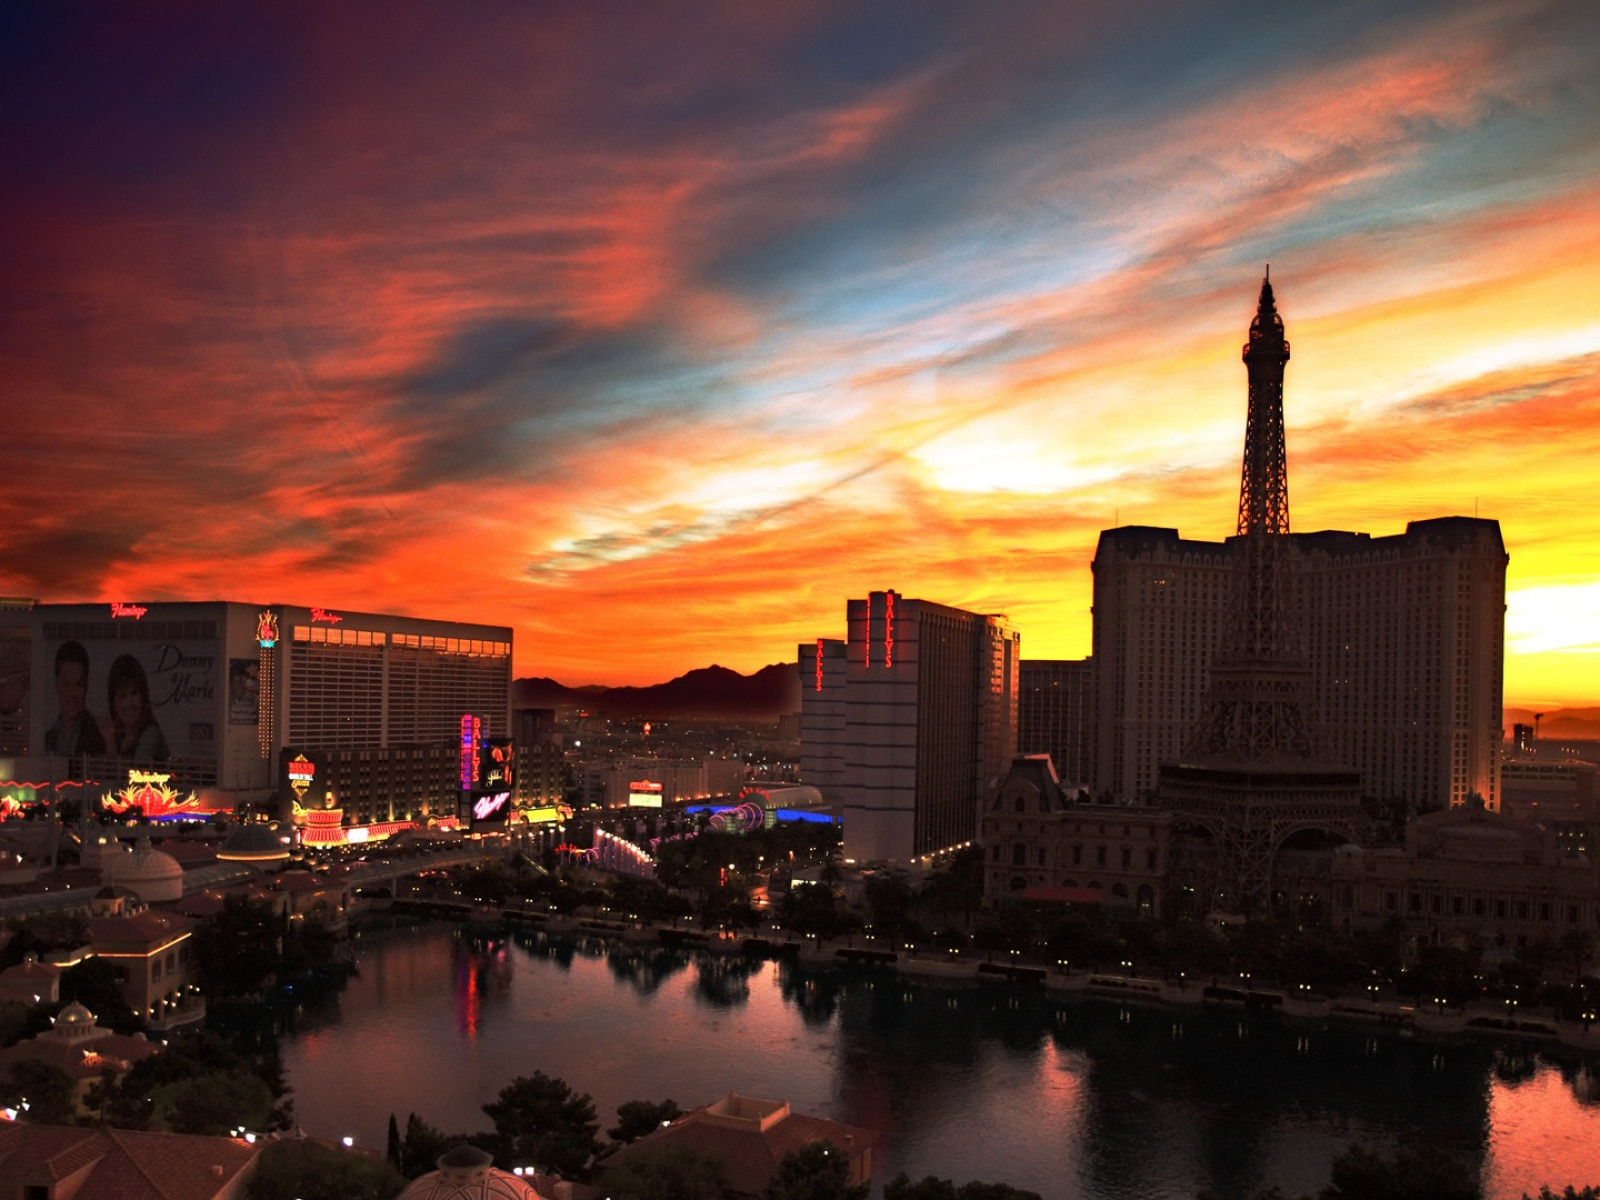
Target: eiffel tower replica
1253, 774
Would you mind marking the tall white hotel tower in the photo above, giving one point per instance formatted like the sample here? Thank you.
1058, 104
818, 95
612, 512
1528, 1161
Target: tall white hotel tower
907, 721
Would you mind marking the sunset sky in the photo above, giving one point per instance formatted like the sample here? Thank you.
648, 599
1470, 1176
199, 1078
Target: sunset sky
656, 331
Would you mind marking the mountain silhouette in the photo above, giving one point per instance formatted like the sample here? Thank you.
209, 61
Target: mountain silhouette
704, 692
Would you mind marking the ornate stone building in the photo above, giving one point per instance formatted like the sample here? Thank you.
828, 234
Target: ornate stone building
1470, 872
1041, 842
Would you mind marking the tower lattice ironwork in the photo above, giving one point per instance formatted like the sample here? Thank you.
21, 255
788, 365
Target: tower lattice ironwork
1251, 776
1259, 703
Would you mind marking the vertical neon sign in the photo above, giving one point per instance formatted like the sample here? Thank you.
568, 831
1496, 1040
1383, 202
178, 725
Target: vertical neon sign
888, 629
819, 664
266, 697
469, 751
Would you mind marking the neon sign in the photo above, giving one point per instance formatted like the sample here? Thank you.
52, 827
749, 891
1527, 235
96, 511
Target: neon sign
128, 610
470, 728
819, 664
323, 826
888, 629
267, 629
150, 792
488, 806
644, 794
325, 617
302, 773
499, 767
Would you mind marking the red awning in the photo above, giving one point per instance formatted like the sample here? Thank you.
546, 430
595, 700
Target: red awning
1063, 895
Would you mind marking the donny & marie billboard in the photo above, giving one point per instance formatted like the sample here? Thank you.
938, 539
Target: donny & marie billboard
143, 683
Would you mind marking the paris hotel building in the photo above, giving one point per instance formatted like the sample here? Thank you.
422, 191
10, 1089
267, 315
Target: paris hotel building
1405, 634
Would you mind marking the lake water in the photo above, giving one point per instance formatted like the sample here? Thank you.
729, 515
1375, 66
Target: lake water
1076, 1100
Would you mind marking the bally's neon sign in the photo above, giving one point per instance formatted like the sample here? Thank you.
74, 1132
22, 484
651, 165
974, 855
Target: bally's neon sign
470, 732
302, 773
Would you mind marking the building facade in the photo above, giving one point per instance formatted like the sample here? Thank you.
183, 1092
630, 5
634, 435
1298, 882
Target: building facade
213, 697
1045, 841
541, 777
1055, 706
1473, 873
1404, 635
822, 712
915, 713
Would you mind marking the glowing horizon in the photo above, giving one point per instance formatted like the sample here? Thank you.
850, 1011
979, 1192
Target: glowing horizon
657, 339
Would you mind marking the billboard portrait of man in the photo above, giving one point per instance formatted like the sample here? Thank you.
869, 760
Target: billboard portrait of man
76, 731
244, 691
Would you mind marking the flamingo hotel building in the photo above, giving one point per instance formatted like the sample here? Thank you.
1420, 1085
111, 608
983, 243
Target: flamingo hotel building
270, 707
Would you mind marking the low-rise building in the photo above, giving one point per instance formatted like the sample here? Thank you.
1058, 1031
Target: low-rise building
1043, 840
152, 954
31, 982
1563, 796
51, 1162
75, 1044
751, 1137
1469, 871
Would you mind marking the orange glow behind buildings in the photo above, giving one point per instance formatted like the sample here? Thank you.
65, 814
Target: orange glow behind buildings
656, 341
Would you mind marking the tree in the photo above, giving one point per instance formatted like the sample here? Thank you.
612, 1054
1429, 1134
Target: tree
544, 1123
958, 888
664, 1172
820, 1171
215, 1104
50, 1093
813, 909
238, 949
149, 1091
930, 1188
635, 1118
888, 903
1361, 1174
420, 1149
934, 1188
46, 931
93, 983
306, 1170
16, 1022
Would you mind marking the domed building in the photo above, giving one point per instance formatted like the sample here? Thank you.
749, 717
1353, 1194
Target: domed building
76, 1044
146, 871
260, 846
1470, 872
468, 1173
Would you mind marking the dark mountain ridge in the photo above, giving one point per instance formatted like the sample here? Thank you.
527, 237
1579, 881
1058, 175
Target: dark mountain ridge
712, 691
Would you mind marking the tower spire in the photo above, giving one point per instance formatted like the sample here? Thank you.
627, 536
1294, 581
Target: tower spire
1259, 701
1264, 482
1252, 775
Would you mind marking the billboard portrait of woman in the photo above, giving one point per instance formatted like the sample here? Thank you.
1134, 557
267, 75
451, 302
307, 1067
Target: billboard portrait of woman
135, 732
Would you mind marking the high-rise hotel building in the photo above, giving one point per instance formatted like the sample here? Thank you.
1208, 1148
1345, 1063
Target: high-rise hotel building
1405, 635
217, 696
907, 721
1055, 714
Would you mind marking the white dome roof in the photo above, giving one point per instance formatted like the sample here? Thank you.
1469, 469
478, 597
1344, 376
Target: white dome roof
465, 1173
147, 871
74, 1014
